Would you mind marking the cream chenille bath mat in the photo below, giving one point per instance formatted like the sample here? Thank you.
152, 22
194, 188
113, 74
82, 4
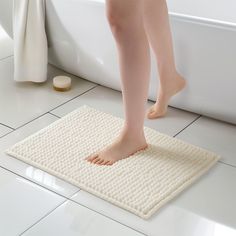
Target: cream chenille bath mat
140, 184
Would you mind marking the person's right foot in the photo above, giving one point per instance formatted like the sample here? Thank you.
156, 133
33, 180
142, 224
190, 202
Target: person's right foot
160, 107
124, 146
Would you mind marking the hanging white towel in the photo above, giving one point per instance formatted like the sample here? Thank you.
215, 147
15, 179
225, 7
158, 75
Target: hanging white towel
30, 41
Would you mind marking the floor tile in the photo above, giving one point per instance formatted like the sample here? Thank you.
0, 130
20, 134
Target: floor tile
27, 171
208, 203
214, 135
4, 130
38, 98
110, 101
73, 219
22, 203
6, 43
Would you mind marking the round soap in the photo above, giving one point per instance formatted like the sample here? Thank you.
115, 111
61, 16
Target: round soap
61, 83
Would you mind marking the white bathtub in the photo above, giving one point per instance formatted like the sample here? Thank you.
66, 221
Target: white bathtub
204, 36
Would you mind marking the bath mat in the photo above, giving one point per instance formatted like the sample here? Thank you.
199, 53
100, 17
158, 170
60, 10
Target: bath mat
140, 184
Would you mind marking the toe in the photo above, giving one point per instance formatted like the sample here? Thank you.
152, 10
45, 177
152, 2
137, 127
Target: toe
110, 163
105, 163
92, 157
97, 159
100, 162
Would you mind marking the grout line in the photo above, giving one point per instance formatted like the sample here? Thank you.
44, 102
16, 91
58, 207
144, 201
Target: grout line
74, 98
45, 187
48, 213
5, 57
8, 133
50, 110
31, 121
187, 125
192, 123
7, 126
107, 216
5, 134
66, 198
54, 115
80, 204
227, 164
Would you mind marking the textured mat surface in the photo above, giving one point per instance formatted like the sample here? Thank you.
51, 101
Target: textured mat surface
140, 184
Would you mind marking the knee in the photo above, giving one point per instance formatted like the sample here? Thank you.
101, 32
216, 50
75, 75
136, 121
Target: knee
117, 19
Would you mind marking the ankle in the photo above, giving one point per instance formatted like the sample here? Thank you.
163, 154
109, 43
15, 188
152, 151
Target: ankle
169, 74
166, 68
130, 134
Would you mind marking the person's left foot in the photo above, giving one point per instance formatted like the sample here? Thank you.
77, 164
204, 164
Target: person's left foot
124, 146
175, 85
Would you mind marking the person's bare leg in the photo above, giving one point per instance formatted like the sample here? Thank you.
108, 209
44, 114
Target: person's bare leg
157, 26
126, 23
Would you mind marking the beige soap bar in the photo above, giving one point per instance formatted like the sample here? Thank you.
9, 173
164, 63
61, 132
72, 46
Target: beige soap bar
61, 83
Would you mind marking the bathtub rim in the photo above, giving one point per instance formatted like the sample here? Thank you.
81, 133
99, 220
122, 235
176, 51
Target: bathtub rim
203, 21
192, 18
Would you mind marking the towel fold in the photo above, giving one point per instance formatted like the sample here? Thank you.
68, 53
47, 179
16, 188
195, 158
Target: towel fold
30, 41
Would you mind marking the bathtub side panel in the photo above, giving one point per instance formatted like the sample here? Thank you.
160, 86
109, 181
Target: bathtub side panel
206, 57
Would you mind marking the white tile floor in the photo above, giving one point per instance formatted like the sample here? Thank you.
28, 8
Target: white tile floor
33, 202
